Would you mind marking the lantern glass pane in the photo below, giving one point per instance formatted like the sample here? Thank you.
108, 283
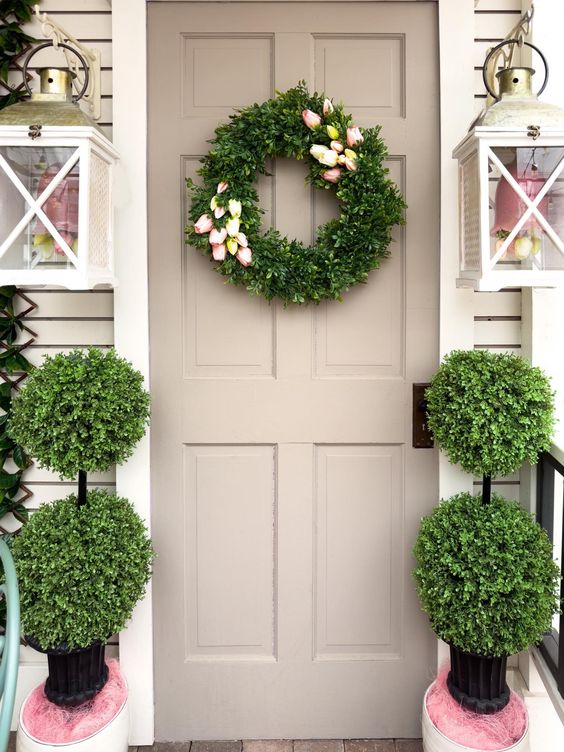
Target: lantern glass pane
526, 192
35, 179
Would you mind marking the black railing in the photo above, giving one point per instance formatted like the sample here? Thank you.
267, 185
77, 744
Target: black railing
550, 504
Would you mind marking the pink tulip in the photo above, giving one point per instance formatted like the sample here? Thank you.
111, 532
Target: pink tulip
219, 252
354, 136
311, 119
342, 158
203, 225
350, 164
242, 239
245, 256
218, 212
337, 146
222, 187
218, 236
327, 107
331, 176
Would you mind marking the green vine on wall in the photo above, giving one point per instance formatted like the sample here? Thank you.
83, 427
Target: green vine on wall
14, 43
14, 366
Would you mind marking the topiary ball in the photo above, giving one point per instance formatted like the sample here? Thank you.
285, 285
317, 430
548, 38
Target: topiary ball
485, 575
81, 570
490, 412
82, 411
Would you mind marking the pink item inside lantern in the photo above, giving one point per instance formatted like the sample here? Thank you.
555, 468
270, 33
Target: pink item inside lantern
52, 724
509, 207
480, 732
62, 205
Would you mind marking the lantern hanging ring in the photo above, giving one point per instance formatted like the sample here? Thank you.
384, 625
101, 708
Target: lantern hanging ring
519, 42
51, 43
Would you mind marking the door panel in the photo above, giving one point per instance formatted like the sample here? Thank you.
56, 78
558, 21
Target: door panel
286, 495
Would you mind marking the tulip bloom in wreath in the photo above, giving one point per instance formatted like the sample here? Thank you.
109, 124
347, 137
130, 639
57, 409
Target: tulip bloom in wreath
225, 219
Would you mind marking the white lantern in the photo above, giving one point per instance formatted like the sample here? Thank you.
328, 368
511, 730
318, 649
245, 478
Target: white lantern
511, 187
56, 219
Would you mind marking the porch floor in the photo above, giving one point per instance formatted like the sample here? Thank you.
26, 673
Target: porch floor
309, 745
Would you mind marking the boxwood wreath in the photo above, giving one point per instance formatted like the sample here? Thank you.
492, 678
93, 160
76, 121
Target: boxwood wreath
347, 160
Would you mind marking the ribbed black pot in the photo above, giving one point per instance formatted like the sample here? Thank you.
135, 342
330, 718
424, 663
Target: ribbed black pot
75, 676
477, 681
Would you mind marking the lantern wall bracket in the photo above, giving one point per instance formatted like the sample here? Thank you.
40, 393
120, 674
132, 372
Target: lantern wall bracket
60, 36
503, 58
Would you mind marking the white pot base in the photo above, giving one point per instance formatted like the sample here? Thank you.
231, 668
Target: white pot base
113, 737
435, 741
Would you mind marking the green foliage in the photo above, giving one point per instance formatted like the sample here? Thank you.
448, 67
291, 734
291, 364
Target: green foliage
13, 41
347, 248
485, 575
490, 412
81, 570
82, 411
11, 452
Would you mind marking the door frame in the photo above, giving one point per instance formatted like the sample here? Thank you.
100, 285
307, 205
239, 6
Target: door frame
131, 300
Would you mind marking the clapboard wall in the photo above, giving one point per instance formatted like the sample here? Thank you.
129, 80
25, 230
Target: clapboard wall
497, 315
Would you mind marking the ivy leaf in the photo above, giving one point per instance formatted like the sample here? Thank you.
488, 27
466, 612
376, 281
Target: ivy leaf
6, 442
9, 480
19, 456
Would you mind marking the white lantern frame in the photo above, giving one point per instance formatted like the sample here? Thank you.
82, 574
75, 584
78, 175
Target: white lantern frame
478, 267
93, 263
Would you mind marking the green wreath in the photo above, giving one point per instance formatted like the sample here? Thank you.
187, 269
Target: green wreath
225, 216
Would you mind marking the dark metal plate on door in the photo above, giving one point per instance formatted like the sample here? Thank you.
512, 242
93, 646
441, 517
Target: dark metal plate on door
422, 438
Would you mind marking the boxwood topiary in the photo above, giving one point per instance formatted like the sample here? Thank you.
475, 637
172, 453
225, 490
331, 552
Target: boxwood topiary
485, 575
490, 412
81, 570
84, 410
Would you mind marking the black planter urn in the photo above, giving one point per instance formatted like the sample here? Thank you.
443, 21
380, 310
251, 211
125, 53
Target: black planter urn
478, 682
75, 676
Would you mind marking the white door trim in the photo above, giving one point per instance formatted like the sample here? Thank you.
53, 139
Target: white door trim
131, 306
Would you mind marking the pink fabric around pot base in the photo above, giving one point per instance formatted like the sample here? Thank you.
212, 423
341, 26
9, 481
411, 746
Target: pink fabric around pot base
52, 724
481, 732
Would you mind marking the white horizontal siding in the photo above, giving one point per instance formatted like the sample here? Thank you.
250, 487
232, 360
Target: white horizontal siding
497, 6
75, 6
63, 304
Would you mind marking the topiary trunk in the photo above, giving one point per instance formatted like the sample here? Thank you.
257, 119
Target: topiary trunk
486, 489
82, 477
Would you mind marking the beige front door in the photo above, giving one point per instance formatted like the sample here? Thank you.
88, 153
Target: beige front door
287, 494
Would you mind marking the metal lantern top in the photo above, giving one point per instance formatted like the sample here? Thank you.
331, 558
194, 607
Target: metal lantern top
516, 105
54, 103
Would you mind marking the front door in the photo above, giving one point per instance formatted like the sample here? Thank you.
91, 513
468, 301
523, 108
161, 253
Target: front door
287, 494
